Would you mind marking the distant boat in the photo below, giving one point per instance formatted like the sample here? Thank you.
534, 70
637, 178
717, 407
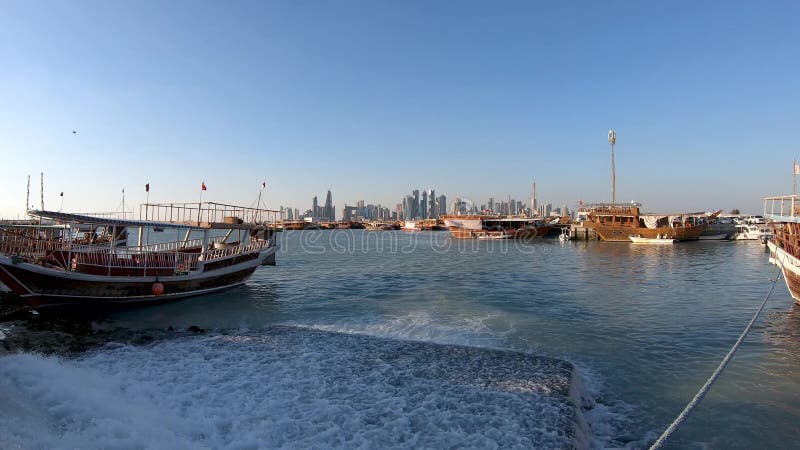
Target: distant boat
751, 232
659, 240
564, 236
410, 225
476, 226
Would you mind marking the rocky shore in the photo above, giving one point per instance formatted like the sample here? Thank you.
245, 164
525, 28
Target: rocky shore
24, 330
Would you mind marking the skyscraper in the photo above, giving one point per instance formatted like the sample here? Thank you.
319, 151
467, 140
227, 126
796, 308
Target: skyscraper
315, 207
328, 212
432, 210
491, 204
423, 205
442, 205
414, 213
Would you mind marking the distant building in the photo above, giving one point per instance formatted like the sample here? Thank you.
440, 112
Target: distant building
329, 211
442, 204
350, 213
423, 205
414, 213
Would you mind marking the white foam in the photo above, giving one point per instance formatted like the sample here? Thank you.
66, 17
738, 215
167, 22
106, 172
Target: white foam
284, 388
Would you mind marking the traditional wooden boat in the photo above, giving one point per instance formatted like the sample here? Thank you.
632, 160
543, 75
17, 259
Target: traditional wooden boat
484, 226
218, 250
783, 212
619, 222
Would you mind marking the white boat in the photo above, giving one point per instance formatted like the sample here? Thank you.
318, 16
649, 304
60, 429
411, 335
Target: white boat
410, 225
491, 235
658, 240
564, 236
751, 232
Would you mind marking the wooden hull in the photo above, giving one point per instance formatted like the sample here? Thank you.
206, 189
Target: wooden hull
45, 287
790, 266
622, 234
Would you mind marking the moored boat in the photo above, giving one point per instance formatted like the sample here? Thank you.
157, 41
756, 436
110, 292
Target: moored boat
658, 240
410, 225
783, 212
479, 226
66, 272
751, 232
618, 222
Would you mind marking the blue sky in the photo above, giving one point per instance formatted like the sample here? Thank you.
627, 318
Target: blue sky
375, 98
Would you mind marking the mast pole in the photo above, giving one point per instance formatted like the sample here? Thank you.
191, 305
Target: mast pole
612, 139
28, 196
794, 172
42, 190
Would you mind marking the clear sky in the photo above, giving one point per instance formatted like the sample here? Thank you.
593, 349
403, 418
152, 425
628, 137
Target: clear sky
372, 99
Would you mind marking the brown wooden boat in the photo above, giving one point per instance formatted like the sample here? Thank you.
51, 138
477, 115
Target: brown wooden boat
61, 271
496, 227
618, 222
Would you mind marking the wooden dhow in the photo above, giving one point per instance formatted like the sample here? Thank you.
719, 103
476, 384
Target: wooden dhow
218, 246
617, 222
497, 227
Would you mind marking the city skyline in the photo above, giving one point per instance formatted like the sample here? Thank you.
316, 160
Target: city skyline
379, 98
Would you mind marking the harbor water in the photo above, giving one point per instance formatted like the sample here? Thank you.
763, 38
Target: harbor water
323, 351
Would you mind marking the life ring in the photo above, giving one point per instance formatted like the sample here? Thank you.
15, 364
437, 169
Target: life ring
158, 288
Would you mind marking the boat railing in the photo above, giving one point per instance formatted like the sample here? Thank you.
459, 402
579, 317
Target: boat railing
783, 208
179, 263
179, 245
223, 252
29, 247
207, 212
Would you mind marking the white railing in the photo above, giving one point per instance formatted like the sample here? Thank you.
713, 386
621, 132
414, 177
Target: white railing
223, 252
783, 208
173, 245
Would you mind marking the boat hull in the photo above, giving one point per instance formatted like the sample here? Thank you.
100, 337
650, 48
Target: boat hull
790, 267
44, 287
622, 234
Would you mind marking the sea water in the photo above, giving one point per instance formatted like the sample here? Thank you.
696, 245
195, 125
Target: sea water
333, 348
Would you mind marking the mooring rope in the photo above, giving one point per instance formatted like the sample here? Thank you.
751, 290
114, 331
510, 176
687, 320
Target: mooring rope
707, 387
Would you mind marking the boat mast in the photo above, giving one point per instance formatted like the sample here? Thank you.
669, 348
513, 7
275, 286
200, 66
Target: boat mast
28, 196
612, 139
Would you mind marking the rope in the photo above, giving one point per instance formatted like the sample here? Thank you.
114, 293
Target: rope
707, 387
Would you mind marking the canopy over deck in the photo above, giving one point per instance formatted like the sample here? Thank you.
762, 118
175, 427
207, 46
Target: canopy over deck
783, 208
83, 219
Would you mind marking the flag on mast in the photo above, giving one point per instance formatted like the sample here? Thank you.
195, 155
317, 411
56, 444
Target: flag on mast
61, 194
147, 187
796, 169
263, 185
202, 185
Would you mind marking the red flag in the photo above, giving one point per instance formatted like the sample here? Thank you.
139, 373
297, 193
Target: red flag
203, 185
796, 169
147, 187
